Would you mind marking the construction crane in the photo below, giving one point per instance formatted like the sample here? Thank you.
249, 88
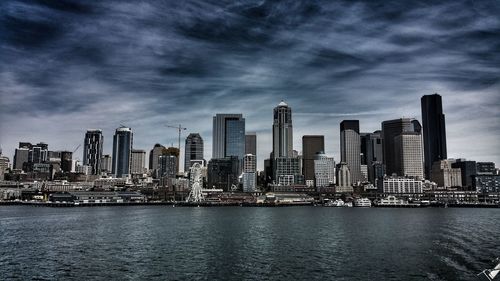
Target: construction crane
76, 148
179, 129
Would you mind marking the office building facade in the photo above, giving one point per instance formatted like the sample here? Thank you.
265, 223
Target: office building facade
408, 155
311, 146
193, 150
92, 150
324, 170
350, 148
138, 162
251, 143
228, 136
122, 149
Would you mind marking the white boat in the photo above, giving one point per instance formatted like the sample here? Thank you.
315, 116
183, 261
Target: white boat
336, 203
392, 200
491, 274
362, 202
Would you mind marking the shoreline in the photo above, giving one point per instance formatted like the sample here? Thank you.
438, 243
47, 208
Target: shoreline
227, 204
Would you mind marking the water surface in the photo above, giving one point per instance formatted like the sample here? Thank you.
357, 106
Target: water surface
237, 243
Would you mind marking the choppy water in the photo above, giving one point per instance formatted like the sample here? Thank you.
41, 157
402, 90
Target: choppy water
236, 243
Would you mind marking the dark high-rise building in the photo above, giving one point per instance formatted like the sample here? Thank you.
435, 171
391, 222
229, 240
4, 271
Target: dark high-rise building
282, 131
153, 158
311, 145
434, 131
193, 150
223, 173
39, 153
66, 161
167, 166
350, 148
122, 149
92, 150
21, 156
235, 138
251, 143
390, 130
371, 151
485, 168
467, 171
27, 145
228, 136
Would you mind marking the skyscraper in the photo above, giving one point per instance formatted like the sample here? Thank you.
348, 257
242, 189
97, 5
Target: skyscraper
223, 172
137, 161
390, 130
106, 164
39, 153
66, 161
251, 143
21, 156
153, 158
467, 171
228, 136
311, 145
324, 170
122, 148
433, 122
350, 148
408, 155
92, 150
167, 166
249, 176
371, 151
193, 150
282, 131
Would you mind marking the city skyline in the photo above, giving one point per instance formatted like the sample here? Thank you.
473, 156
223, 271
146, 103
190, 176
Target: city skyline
323, 59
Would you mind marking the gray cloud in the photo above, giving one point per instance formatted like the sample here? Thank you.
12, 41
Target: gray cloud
72, 65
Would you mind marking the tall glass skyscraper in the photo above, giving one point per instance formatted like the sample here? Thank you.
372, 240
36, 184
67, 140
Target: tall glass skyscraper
122, 149
228, 136
92, 150
434, 131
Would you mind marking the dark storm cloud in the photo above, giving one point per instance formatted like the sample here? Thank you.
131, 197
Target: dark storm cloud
70, 65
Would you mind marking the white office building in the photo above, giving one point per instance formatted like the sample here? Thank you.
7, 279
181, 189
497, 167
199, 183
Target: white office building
402, 185
324, 170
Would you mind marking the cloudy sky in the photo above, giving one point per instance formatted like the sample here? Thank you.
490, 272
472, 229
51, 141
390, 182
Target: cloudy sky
67, 66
